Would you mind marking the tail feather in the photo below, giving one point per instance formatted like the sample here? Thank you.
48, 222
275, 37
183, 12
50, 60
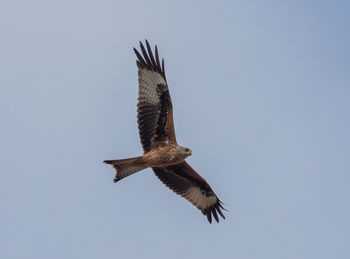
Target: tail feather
125, 167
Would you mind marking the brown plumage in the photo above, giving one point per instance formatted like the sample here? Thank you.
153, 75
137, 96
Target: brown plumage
157, 134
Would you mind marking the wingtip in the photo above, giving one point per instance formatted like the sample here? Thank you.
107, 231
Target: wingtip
209, 217
148, 60
215, 215
222, 207
163, 69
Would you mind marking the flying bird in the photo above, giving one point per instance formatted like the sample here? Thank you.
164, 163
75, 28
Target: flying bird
157, 134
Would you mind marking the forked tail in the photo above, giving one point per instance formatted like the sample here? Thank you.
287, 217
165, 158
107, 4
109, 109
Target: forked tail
126, 167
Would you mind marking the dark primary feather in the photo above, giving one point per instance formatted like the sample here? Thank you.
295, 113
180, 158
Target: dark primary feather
180, 178
157, 59
151, 54
163, 68
145, 55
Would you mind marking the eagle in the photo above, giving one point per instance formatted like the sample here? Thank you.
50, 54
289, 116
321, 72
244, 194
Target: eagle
160, 149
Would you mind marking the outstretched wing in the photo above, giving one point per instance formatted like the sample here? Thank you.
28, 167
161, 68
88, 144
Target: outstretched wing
185, 181
154, 108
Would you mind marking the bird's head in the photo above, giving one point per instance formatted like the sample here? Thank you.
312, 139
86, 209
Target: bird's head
186, 151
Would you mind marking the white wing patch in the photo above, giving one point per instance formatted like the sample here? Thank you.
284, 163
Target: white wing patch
148, 81
198, 199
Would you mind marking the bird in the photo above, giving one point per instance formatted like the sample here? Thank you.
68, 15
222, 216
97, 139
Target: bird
161, 151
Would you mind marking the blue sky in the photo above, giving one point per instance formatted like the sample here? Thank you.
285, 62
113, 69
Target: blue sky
261, 94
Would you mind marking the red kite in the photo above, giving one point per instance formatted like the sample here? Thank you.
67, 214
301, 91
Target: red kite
157, 133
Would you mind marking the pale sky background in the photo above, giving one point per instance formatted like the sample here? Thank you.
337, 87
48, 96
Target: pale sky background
261, 94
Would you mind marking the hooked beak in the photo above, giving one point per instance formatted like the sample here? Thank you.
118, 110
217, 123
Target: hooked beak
189, 152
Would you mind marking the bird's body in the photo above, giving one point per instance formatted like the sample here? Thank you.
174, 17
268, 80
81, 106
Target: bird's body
165, 154
157, 133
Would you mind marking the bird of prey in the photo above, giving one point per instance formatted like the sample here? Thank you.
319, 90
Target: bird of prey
157, 133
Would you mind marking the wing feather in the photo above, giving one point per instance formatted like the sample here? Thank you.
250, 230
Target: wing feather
145, 55
157, 59
140, 58
155, 112
163, 68
186, 182
151, 54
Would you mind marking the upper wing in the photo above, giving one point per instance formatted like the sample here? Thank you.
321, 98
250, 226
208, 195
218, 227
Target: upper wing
184, 181
154, 108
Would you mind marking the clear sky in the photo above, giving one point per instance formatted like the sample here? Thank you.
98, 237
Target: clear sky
261, 94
